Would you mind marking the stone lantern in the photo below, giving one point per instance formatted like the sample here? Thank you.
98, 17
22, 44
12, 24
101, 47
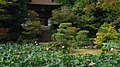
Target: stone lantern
43, 8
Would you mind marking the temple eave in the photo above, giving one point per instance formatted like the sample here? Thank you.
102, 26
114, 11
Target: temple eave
47, 4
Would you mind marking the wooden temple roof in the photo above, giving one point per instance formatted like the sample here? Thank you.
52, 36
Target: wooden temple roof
43, 2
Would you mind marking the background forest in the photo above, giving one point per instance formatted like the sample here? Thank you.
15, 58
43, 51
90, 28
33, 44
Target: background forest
101, 18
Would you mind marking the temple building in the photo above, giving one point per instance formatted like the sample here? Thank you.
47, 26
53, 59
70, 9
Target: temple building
43, 8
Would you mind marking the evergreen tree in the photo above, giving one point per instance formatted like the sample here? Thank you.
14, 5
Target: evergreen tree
106, 33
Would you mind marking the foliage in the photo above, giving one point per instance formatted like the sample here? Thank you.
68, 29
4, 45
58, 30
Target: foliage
118, 30
31, 55
65, 25
13, 14
89, 14
65, 36
32, 27
110, 46
118, 34
106, 33
70, 37
63, 15
4, 10
26, 55
13, 10
82, 38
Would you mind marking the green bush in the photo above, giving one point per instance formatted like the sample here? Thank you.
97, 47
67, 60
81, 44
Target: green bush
70, 37
65, 25
118, 30
82, 38
65, 36
31, 28
106, 33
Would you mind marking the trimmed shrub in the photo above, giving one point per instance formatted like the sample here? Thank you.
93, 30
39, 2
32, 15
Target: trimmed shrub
106, 33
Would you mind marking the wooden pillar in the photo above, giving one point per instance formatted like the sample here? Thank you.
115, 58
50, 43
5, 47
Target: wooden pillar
46, 22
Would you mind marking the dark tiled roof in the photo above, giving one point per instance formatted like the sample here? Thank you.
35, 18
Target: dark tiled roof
43, 2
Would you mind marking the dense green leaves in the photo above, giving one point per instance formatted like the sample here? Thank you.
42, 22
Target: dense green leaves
71, 37
12, 15
89, 14
30, 55
82, 38
31, 28
65, 36
106, 33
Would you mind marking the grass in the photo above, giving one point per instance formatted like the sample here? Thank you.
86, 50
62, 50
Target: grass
86, 51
